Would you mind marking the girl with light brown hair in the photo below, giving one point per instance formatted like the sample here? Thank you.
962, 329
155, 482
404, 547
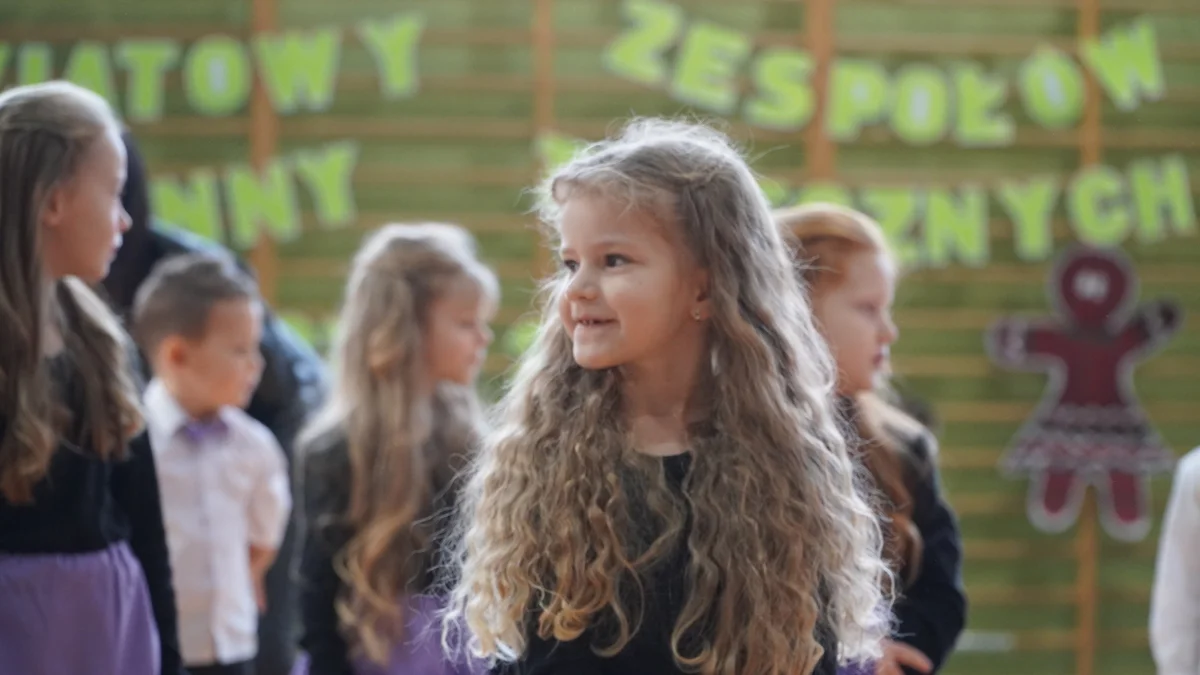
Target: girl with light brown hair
379, 460
851, 274
666, 489
85, 578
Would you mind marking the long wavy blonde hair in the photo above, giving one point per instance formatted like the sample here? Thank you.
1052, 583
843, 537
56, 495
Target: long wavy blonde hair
562, 517
46, 131
404, 444
825, 236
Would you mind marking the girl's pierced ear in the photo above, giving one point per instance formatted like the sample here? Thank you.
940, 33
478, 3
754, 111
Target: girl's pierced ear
696, 313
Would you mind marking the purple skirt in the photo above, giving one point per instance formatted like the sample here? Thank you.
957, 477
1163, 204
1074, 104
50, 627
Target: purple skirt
420, 654
72, 614
856, 668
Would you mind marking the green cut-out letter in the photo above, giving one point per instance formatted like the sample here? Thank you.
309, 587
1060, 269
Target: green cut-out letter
554, 149
262, 201
637, 54
35, 63
784, 96
88, 66
707, 66
147, 62
1126, 63
824, 191
299, 68
1051, 86
1030, 204
1097, 204
777, 192
6, 51
920, 104
327, 174
895, 209
1162, 185
858, 96
394, 46
216, 76
980, 122
956, 227
193, 205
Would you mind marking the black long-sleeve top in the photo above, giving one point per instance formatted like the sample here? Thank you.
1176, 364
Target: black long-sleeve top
931, 612
85, 504
325, 489
325, 497
649, 649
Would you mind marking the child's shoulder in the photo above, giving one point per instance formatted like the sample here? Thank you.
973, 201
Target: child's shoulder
250, 429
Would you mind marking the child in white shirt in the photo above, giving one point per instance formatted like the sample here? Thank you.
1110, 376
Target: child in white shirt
222, 474
1175, 603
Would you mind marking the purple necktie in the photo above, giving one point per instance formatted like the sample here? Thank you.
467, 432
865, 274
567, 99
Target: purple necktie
199, 432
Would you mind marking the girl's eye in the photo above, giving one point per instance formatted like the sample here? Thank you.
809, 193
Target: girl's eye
615, 260
570, 265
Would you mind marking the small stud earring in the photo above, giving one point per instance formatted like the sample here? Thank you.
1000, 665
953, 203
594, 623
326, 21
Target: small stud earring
696, 314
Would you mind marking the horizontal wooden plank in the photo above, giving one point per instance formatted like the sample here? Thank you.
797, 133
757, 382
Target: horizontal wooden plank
1015, 549
39, 31
1171, 366
1035, 275
473, 128
1140, 6
968, 412
940, 44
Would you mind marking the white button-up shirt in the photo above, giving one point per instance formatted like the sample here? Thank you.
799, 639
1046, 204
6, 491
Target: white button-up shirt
1175, 602
220, 496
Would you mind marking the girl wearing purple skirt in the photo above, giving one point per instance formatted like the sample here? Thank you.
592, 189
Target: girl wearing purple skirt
378, 463
85, 583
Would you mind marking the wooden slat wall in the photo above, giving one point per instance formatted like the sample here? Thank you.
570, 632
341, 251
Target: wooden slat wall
495, 72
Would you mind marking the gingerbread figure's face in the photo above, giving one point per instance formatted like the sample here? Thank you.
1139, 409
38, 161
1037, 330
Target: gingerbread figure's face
1092, 286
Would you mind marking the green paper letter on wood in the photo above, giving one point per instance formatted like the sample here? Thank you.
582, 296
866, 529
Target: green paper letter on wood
147, 62
216, 76
1097, 204
1051, 86
35, 63
858, 96
784, 99
554, 150
707, 66
299, 68
259, 202
956, 227
637, 53
1127, 64
981, 123
1162, 185
393, 45
823, 191
327, 174
1030, 205
776, 192
895, 209
920, 104
88, 67
193, 205
5, 54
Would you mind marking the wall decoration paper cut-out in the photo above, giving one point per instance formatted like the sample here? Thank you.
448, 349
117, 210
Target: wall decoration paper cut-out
147, 62
1089, 427
1127, 64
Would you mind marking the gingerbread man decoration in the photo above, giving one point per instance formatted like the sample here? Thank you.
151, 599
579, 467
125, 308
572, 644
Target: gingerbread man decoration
1089, 427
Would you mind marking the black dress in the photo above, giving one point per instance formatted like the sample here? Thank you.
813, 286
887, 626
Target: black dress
649, 650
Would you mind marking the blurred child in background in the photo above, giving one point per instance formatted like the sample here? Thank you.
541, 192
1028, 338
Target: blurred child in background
224, 478
851, 276
378, 463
